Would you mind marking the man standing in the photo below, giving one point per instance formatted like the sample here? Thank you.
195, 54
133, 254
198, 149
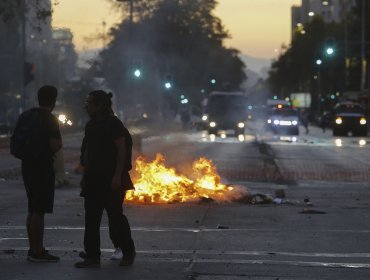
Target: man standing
37, 169
106, 156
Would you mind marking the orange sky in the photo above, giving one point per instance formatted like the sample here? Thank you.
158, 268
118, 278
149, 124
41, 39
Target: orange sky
258, 27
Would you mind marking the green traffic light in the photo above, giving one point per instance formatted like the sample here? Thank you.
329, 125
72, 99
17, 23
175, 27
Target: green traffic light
329, 51
137, 73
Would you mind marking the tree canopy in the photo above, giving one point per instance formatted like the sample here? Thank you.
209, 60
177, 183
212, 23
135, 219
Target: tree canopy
296, 70
180, 40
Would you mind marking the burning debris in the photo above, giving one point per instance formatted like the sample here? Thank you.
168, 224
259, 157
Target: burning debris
157, 183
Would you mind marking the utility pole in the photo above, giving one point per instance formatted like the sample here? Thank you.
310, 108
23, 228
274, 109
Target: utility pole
23, 55
363, 51
346, 56
104, 41
131, 12
127, 54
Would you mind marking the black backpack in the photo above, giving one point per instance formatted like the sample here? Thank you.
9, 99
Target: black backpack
25, 143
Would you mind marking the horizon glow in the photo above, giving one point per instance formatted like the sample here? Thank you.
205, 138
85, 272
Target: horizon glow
258, 28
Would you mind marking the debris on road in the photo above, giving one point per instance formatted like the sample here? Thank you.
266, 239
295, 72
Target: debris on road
311, 211
9, 251
222, 227
307, 201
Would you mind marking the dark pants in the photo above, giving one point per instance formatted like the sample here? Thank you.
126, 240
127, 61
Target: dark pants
119, 227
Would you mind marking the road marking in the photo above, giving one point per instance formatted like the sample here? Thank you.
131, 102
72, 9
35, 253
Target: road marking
12, 238
217, 252
194, 230
204, 260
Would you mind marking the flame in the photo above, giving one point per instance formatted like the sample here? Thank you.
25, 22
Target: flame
157, 183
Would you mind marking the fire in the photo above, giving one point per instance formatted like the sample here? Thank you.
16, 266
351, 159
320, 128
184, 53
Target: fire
157, 183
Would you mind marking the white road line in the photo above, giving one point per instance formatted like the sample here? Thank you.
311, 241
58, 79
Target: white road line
291, 263
195, 230
204, 260
202, 253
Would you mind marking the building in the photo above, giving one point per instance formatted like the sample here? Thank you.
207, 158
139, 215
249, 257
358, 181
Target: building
65, 51
330, 10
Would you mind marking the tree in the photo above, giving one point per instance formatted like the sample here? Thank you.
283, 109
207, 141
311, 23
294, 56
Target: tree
11, 9
179, 37
296, 70
354, 44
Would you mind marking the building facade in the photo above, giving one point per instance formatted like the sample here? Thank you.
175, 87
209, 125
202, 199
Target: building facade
330, 10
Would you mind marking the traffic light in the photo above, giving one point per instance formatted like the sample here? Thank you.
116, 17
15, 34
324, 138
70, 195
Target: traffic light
168, 83
137, 68
318, 58
330, 47
29, 72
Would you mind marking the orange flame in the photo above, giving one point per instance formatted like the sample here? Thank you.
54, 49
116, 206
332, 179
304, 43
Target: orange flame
157, 183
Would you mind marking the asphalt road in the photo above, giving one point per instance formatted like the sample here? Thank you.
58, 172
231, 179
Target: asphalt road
327, 240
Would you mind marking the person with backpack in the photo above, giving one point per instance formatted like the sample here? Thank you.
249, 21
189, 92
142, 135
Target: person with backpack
35, 140
106, 156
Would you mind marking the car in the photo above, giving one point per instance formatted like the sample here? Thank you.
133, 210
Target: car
349, 117
226, 111
283, 120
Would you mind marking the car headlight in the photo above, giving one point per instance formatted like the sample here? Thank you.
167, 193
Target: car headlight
62, 118
204, 117
362, 121
269, 121
338, 120
241, 125
212, 124
294, 122
276, 122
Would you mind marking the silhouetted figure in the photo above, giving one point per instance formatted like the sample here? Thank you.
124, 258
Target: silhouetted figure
324, 120
107, 149
305, 119
185, 118
41, 129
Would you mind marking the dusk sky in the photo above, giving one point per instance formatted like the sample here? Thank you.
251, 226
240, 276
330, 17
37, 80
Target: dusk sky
258, 27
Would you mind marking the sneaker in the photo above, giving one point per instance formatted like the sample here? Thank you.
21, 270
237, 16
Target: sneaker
43, 257
117, 255
88, 263
128, 260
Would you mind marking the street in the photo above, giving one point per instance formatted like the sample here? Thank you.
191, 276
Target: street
319, 231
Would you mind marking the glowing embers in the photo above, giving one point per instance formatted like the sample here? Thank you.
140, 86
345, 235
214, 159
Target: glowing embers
157, 183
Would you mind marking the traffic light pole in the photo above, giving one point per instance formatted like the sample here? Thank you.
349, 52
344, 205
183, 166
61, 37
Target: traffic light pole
23, 55
363, 50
